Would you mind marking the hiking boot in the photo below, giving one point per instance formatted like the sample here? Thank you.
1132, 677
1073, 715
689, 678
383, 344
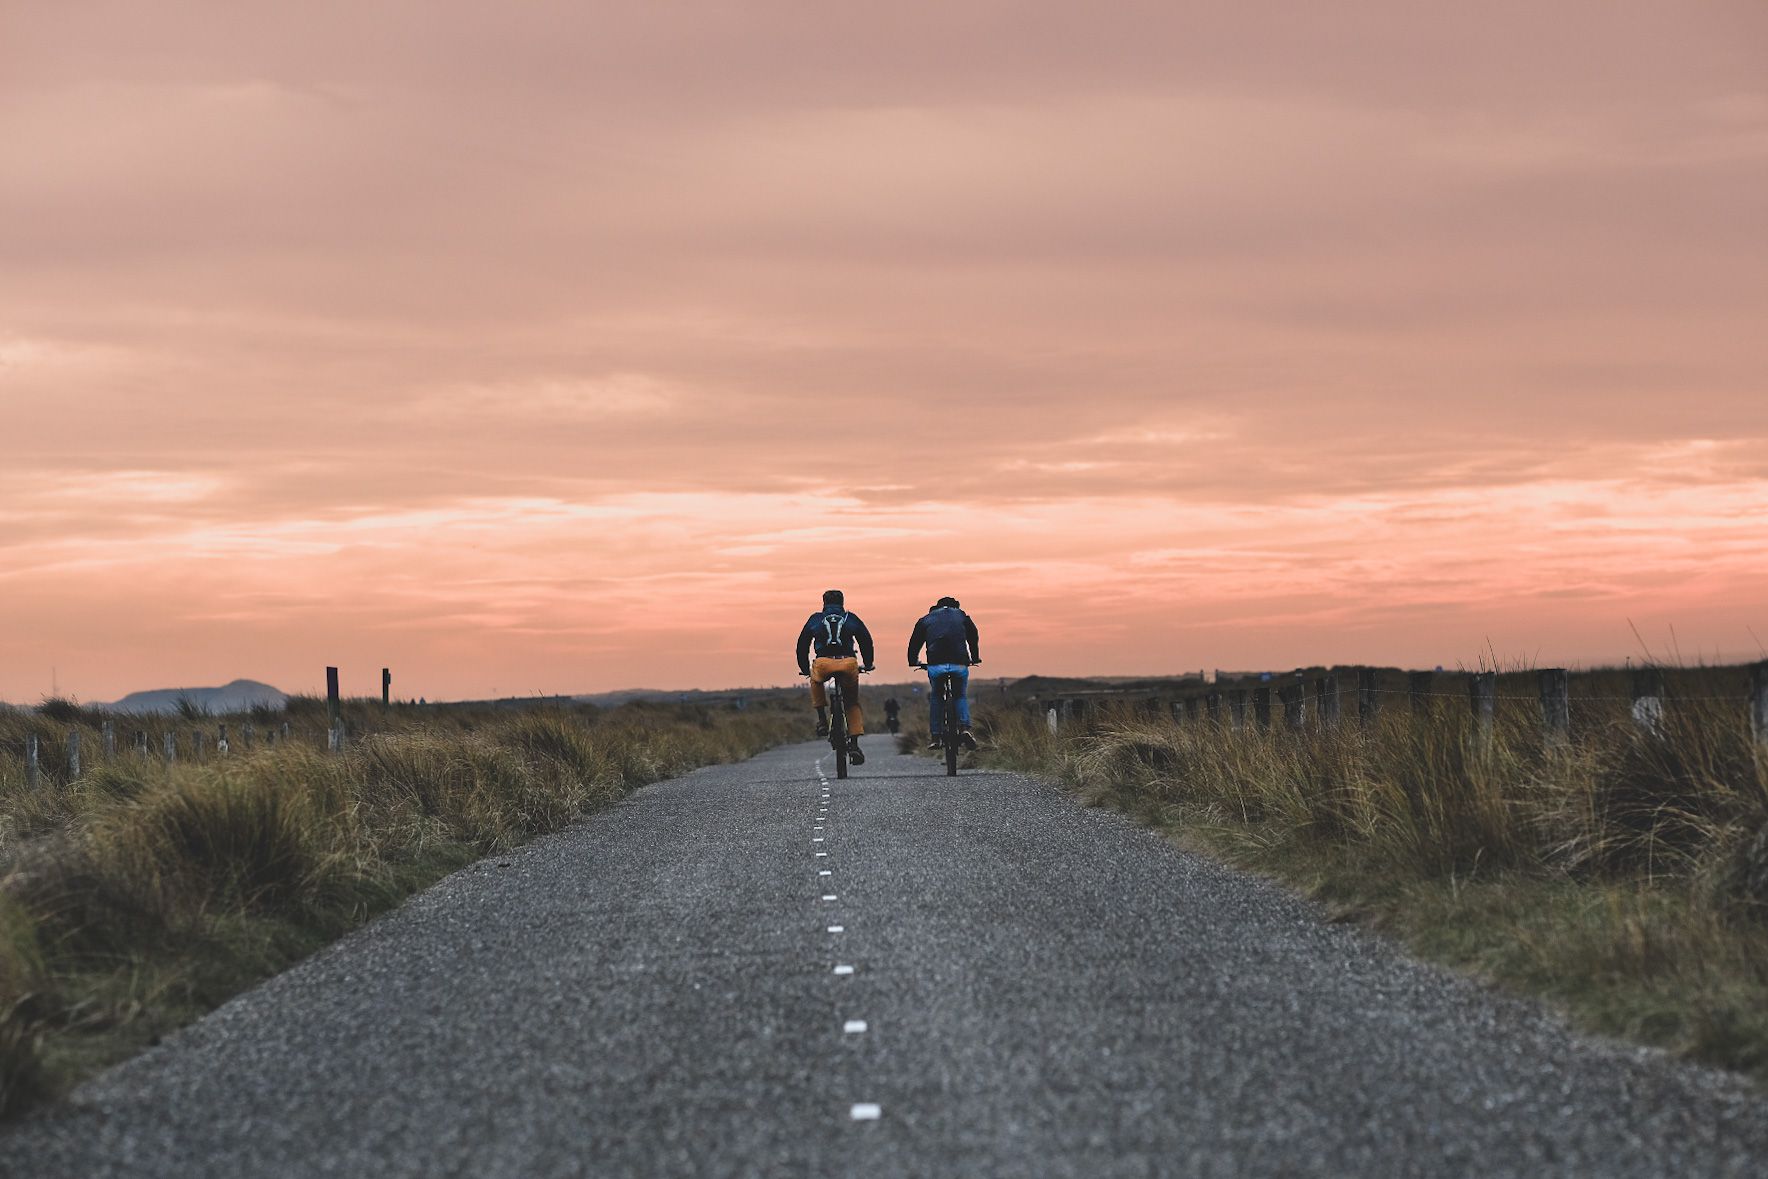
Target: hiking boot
854, 754
967, 740
822, 728
938, 742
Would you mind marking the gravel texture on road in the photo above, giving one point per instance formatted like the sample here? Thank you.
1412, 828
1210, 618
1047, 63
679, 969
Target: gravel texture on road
1036, 989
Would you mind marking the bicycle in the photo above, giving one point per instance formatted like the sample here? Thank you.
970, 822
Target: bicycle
838, 721
945, 686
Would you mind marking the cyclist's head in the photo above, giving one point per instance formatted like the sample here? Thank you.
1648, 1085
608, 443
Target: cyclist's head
951, 602
834, 598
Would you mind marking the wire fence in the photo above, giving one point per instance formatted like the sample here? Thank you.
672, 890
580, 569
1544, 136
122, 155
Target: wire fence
1317, 697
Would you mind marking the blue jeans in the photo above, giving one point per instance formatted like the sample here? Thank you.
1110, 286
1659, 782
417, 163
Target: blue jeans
961, 675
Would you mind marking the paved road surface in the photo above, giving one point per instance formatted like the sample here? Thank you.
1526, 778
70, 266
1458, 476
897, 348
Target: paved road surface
1043, 990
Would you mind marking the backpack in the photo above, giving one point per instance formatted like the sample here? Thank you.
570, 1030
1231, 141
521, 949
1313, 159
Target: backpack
834, 632
945, 635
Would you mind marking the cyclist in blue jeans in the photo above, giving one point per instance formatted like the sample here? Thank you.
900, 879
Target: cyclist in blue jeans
950, 638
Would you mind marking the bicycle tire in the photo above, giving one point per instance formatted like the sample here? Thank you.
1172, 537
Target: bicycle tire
838, 727
948, 712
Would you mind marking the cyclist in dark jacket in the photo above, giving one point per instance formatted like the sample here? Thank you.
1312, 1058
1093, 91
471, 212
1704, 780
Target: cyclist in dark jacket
832, 633
950, 637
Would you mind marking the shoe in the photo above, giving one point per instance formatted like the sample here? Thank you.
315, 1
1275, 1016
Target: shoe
854, 756
937, 743
822, 729
967, 740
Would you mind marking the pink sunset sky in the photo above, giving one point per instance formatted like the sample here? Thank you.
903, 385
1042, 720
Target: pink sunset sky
575, 346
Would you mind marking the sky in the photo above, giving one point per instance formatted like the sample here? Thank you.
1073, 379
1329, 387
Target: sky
562, 347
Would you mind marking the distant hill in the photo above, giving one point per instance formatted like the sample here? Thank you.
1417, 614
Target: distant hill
239, 696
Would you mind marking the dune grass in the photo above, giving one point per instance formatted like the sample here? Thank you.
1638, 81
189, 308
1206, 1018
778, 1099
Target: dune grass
1622, 875
144, 893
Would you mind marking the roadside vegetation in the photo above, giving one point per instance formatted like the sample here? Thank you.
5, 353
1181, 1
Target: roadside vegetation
145, 893
1622, 874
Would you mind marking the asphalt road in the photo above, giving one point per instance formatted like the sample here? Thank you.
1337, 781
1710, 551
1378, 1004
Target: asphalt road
1035, 989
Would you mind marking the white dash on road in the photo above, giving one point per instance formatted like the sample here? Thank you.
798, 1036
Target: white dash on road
854, 1027
818, 839
837, 929
843, 970
865, 1111
821, 854
828, 896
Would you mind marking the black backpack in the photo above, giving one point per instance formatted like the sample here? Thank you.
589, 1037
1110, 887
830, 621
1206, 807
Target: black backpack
835, 633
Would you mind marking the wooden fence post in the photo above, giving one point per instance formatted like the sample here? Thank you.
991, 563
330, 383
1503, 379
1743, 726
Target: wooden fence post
198, 740
171, 744
1295, 705
1368, 700
109, 731
1759, 703
1648, 699
386, 686
1193, 708
246, 734
1327, 707
141, 742
331, 703
1212, 706
1482, 696
1261, 706
285, 730
1418, 684
1556, 705
222, 745
1237, 708
1051, 720
33, 768
73, 755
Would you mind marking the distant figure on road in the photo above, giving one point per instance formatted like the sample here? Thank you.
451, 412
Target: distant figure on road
891, 708
952, 649
833, 633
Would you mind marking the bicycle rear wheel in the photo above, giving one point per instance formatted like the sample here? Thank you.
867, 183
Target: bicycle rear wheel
838, 727
948, 714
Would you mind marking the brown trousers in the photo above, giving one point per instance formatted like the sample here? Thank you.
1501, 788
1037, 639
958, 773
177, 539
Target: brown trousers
848, 670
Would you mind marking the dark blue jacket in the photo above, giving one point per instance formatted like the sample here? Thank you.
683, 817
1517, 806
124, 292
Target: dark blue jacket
949, 635
832, 633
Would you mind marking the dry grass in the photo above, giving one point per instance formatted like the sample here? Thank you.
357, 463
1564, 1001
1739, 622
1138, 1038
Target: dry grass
1624, 874
142, 894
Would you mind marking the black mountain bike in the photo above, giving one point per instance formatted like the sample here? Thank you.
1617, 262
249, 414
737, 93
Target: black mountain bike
945, 690
838, 721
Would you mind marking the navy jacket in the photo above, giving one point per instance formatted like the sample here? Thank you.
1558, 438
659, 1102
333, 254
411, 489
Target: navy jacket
832, 633
949, 635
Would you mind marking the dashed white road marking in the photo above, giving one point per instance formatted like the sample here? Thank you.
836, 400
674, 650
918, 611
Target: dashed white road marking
826, 872
865, 1111
837, 929
843, 969
828, 896
853, 1027
820, 854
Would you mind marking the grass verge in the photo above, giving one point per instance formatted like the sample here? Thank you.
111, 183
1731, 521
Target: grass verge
1622, 876
144, 893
